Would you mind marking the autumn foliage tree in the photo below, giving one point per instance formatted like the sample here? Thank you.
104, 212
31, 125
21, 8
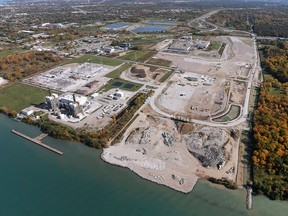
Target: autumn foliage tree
270, 131
17, 66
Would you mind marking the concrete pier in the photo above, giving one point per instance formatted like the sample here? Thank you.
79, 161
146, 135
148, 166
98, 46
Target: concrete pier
41, 136
249, 201
37, 140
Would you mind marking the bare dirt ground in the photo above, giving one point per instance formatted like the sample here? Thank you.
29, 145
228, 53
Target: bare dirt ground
160, 150
176, 154
146, 73
161, 45
214, 84
238, 92
201, 97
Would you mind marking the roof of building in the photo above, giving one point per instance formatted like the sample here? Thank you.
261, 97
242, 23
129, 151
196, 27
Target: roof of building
69, 98
181, 44
202, 44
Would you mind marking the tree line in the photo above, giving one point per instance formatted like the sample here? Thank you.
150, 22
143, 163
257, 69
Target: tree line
268, 21
17, 66
270, 127
274, 59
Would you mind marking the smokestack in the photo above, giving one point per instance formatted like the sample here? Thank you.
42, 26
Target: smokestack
74, 98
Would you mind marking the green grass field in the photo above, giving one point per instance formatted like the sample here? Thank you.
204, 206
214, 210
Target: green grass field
20, 96
277, 91
95, 59
134, 55
165, 76
232, 114
215, 46
120, 84
5, 53
9, 52
117, 72
160, 62
138, 41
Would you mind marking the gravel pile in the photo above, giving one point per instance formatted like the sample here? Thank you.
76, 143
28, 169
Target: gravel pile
168, 139
207, 145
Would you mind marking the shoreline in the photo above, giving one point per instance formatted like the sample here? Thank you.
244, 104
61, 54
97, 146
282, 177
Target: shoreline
139, 171
163, 183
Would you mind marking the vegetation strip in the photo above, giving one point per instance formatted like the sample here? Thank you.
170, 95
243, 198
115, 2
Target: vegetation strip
117, 72
140, 56
270, 155
95, 59
121, 84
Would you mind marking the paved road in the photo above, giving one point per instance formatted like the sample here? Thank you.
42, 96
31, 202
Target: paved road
252, 73
203, 19
271, 38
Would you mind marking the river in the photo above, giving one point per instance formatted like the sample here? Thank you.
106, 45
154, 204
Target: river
35, 181
5, 1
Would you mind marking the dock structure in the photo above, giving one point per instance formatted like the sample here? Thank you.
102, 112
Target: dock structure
37, 141
249, 200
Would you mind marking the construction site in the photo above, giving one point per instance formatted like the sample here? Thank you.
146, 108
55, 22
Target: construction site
192, 125
174, 153
206, 87
194, 96
205, 46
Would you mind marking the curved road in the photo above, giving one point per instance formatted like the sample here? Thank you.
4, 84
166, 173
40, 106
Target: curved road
253, 72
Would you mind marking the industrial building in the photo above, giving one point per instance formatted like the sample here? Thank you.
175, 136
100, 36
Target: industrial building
108, 49
53, 102
200, 44
182, 44
185, 43
53, 25
27, 112
73, 77
116, 95
125, 46
71, 105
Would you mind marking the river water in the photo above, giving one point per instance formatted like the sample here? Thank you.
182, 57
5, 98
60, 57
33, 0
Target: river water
5, 1
35, 181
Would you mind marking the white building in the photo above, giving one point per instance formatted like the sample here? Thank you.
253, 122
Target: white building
202, 44
108, 49
27, 112
55, 25
119, 94
66, 99
94, 95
